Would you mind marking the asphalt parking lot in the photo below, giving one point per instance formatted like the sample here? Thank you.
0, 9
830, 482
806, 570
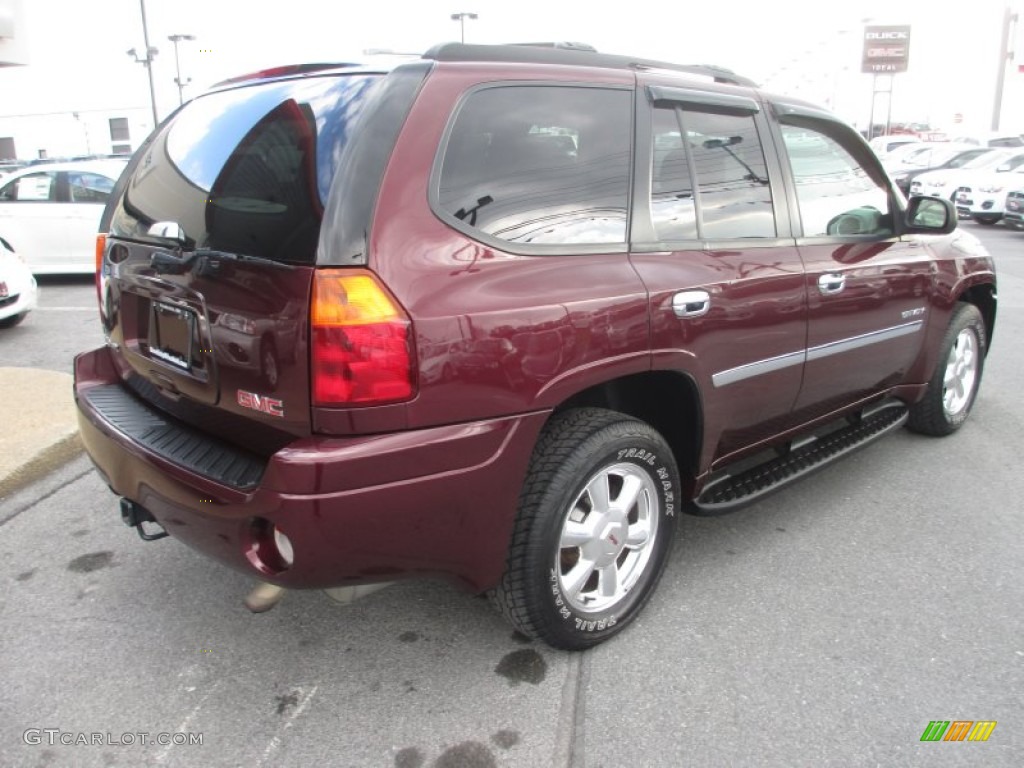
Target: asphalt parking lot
825, 626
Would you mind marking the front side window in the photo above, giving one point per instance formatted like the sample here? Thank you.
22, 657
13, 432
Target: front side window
33, 187
837, 193
540, 165
722, 154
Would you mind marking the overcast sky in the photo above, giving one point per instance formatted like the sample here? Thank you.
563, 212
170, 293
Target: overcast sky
808, 47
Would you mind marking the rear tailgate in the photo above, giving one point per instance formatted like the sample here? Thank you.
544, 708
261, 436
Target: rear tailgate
207, 332
206, 273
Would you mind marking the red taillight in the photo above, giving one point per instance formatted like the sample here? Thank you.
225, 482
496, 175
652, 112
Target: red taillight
360, 341
101, 247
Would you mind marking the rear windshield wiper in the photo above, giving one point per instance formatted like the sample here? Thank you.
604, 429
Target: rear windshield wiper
205, 260
210, 253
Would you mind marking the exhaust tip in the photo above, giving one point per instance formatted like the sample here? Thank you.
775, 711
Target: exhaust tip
267, 548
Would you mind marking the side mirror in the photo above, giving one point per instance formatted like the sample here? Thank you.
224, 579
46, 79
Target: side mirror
929, 216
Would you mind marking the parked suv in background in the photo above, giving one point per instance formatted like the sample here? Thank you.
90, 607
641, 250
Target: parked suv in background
982, 197
939, 157
546, 301
946, 183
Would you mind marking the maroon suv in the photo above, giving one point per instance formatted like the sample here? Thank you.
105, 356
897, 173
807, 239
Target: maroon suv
500, 314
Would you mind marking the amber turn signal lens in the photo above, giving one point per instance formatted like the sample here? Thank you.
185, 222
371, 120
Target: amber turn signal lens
360, 341
101, 248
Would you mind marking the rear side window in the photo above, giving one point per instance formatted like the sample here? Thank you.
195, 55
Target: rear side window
247, 170
722, 153
539, 165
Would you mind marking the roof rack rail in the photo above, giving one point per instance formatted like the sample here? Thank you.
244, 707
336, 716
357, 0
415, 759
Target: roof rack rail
567, 53
564, 44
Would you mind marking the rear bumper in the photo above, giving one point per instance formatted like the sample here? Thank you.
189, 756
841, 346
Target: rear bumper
430, 502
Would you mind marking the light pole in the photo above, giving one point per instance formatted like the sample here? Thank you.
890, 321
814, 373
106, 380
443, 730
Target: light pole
147, 60
1005, 55
461, 17
177, 68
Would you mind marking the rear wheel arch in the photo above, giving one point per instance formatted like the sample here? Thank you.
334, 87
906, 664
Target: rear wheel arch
668, 401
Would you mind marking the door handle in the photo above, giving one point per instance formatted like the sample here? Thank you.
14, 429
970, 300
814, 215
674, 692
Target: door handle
691, 303
831, 283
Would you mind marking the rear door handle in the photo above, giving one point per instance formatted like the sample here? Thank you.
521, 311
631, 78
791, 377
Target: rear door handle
691, 303
831, 282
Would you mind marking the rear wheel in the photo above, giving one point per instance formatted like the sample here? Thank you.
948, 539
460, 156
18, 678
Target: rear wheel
954, 385
595, 526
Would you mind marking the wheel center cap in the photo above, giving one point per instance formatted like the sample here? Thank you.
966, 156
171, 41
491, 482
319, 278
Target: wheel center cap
613, 541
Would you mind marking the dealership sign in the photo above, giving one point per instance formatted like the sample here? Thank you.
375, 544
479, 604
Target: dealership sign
886, 49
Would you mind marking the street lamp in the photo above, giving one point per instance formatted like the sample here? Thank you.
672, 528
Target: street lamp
461, 18
147, 60
177, 68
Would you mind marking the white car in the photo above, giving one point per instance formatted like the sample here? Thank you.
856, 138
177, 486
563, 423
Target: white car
945, 183
991, 139
50, 213
983, 198
931, 155
883, 145
7, 168
18, 292
905, 153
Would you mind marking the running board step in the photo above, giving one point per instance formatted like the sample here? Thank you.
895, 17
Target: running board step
733, 491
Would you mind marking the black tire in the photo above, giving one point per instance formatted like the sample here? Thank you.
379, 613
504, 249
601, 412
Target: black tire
954, 384
582, 455
13, 320
987, 220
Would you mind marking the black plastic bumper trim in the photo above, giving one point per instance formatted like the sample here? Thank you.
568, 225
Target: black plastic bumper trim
174, 441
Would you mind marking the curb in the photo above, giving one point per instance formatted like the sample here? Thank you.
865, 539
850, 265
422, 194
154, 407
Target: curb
42, 464
40, 427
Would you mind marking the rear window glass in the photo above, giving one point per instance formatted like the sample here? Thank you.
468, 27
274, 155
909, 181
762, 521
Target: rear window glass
247, 170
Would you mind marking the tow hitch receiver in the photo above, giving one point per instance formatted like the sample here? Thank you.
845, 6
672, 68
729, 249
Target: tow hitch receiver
134, 515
